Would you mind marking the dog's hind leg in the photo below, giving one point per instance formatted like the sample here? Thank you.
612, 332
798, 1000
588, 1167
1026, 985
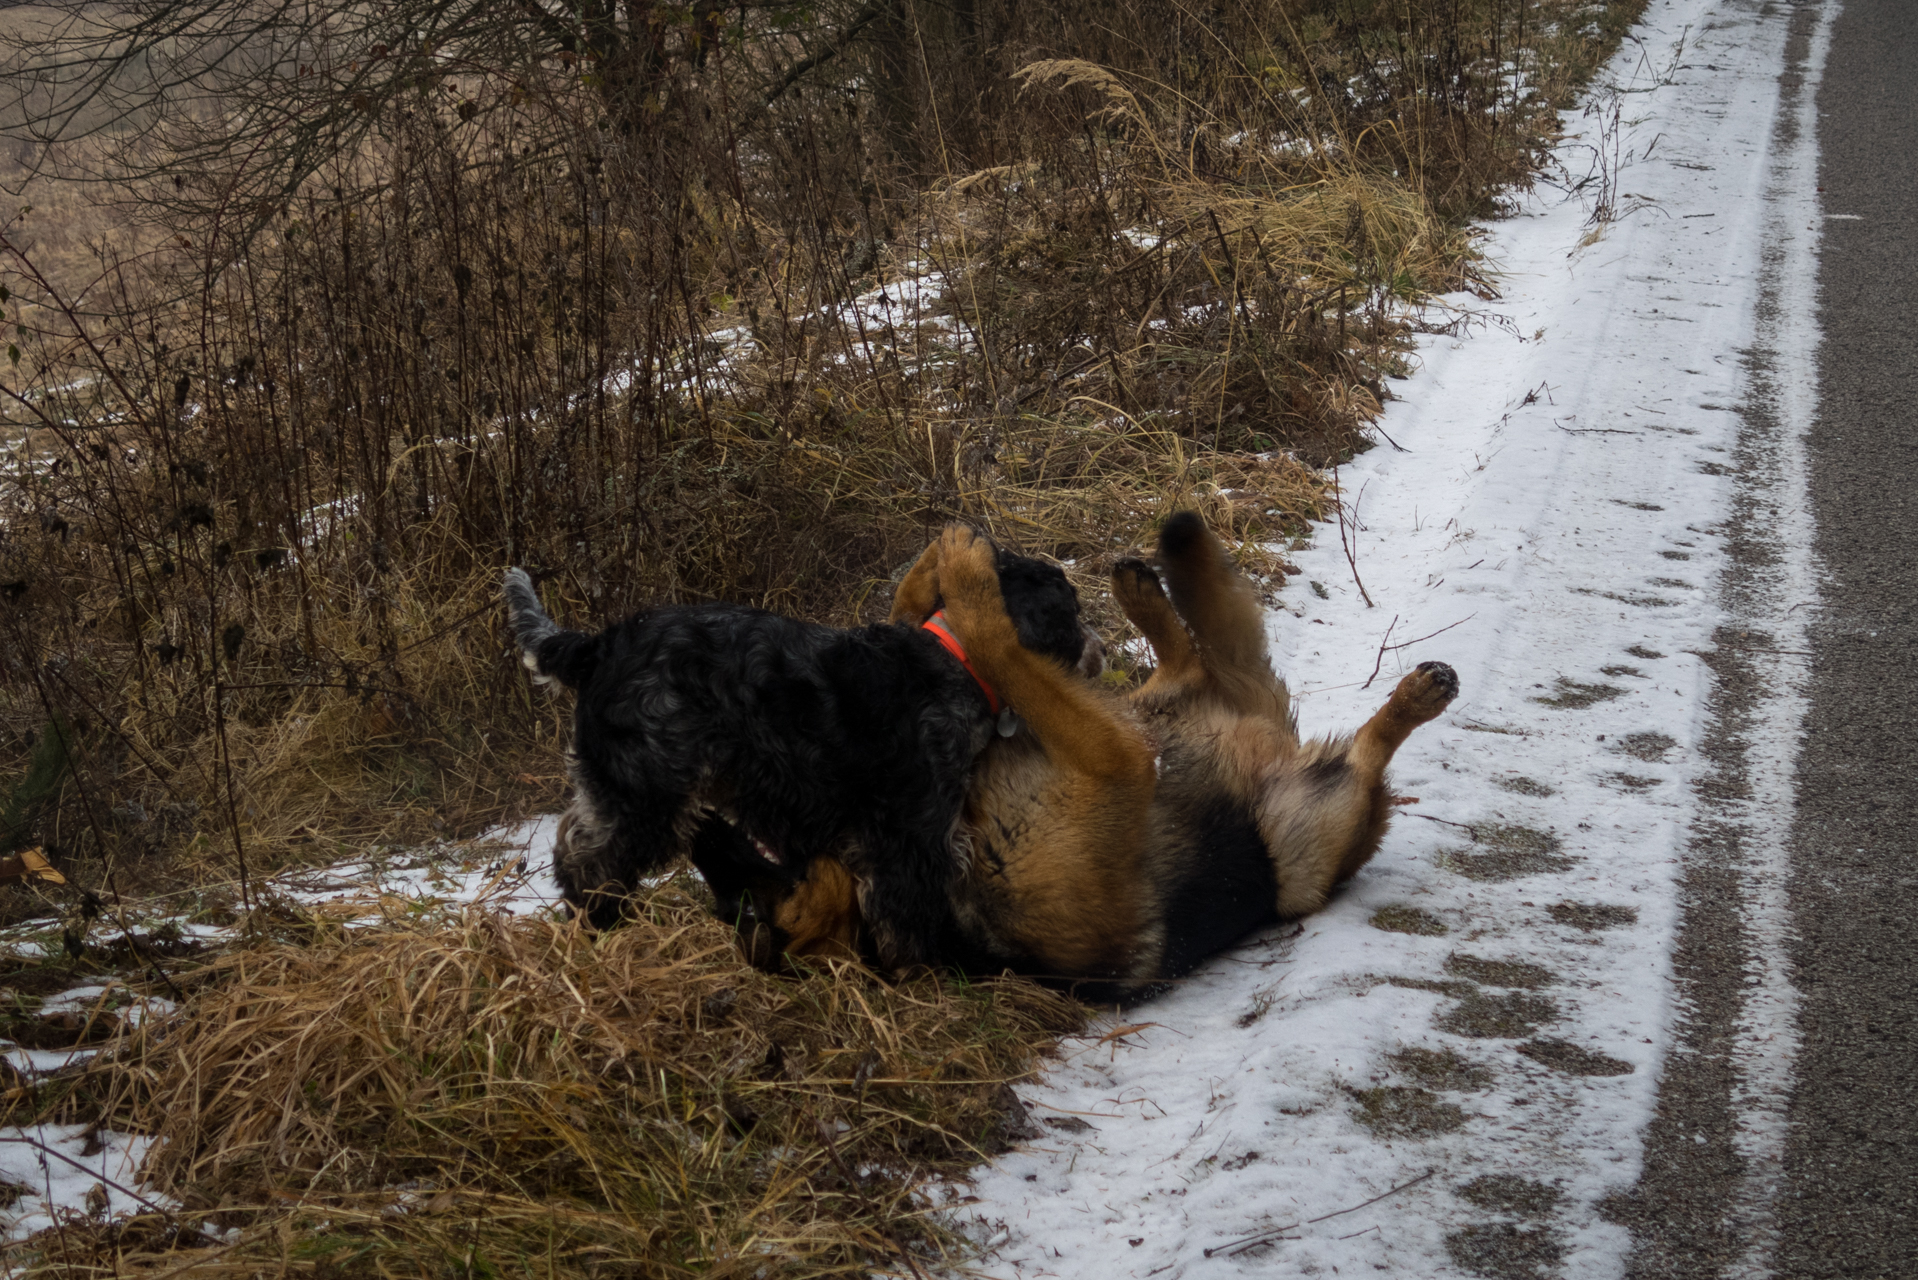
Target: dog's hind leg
1224, 615
599, 857
1325, 811
1419, 697
1143, 601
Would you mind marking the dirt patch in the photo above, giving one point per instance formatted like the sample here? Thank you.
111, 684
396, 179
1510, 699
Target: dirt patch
1507, 851
1634, 599
1676, 555
1509, 1193
1505, 1252
1574, 696
1592, 916
34, 981
1620, 669
1572, 1060
1399, 1112
1500, 973
1261, 1005
1512, 1015
1441, 1069
1408, 920
1457, 990
1646, 746
1525, 787
1640, 651
62, 1030
1632, 781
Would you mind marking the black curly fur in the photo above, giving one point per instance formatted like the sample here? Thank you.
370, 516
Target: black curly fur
731, 733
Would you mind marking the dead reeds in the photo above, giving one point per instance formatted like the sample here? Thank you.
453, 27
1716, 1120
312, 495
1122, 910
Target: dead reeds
1027, 268
501, 1095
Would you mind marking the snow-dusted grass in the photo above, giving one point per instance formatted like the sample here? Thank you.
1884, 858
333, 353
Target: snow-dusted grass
57, 1167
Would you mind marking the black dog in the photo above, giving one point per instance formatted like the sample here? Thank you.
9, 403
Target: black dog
756, 743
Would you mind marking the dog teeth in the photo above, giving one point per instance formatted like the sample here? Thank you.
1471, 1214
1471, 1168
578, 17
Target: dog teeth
767, 852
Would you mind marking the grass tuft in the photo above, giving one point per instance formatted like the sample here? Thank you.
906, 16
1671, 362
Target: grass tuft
518, 1095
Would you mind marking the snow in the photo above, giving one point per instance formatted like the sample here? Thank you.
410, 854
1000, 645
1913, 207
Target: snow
58, 1166
1557, 505
507, 869
1775, 607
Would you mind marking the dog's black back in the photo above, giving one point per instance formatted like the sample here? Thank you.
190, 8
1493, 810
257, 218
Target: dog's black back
758, 742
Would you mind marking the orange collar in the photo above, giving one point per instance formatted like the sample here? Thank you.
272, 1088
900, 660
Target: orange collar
937, 625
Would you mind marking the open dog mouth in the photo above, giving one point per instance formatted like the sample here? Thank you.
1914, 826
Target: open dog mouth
767, 852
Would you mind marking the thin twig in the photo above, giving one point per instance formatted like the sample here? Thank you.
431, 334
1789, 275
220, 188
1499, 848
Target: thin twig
833, 48
57, 1155
1345, 542
1381, 658
853, 1185
1263, 1237
1595, 431
1460, 825
1385, 648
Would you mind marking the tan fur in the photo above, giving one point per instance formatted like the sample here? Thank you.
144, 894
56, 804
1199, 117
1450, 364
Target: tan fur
1081, 829
821, 915
917, 596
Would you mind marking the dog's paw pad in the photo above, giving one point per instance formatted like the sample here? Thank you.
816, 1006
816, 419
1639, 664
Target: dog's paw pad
1135, 577
1428, 690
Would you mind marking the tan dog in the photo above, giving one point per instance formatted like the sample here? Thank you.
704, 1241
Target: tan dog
1121, 840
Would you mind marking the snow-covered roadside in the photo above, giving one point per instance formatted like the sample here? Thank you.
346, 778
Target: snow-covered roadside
1556, 505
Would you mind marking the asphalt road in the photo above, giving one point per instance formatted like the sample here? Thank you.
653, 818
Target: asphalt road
1850, 1203
1843, 1200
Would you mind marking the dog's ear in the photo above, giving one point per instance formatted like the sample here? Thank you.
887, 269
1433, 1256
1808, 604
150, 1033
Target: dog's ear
917, 597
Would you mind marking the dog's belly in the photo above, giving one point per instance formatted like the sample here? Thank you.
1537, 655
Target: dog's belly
1220, 885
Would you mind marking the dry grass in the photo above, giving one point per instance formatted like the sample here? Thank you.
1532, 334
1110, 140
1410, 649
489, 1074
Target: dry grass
255, 505
496, 1096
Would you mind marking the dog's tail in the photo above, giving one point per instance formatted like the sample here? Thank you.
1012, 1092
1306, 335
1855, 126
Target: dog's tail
547, 650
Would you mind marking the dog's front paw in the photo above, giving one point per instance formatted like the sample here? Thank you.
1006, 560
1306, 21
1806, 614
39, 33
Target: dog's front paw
968, 572
1426, 691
